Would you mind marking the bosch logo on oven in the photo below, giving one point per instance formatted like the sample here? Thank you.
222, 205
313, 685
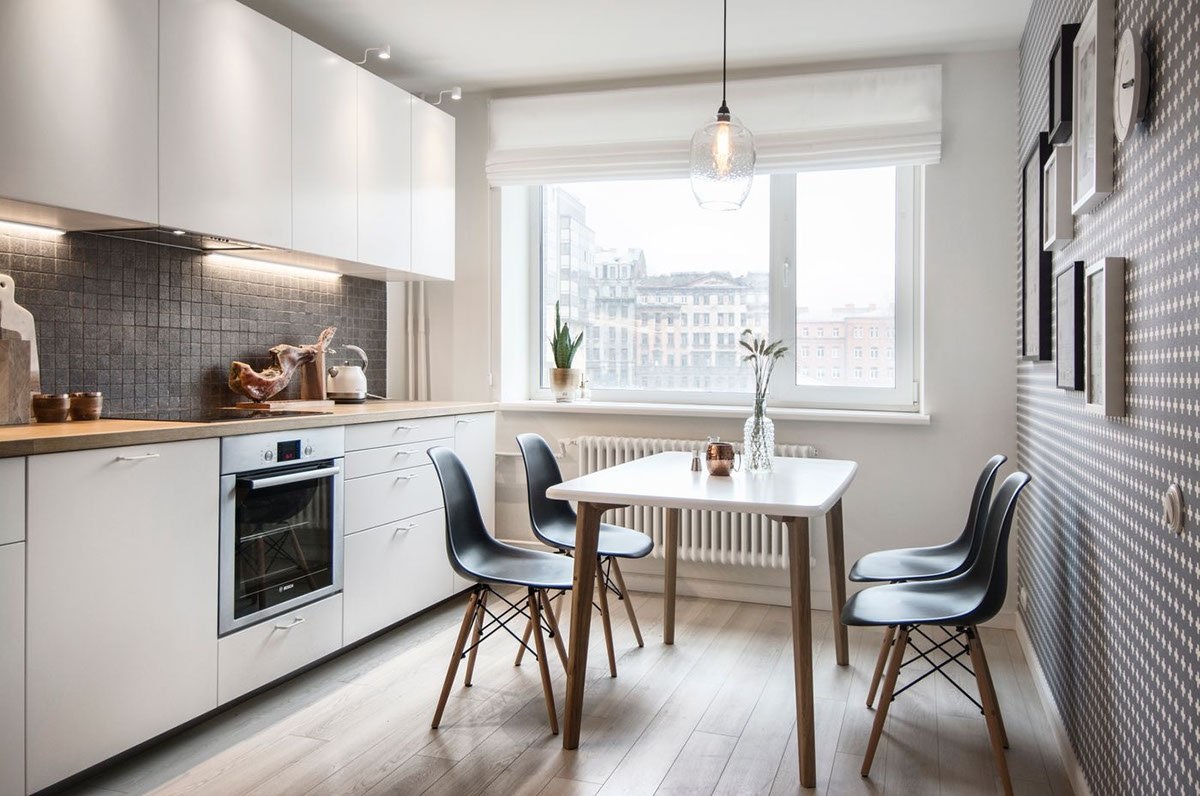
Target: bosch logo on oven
286, 587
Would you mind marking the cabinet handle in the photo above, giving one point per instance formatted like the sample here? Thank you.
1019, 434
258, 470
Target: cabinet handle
403, 428
403, 528
405, 477
141, 458
403, 453
295, 621
465, 420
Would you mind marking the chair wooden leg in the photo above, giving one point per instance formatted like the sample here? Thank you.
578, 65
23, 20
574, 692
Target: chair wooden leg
552, 621
602, 587
468, 617
479, 615
543, 664
990, 709
889, 636
637, 631
885, 699
987, 670
524, 641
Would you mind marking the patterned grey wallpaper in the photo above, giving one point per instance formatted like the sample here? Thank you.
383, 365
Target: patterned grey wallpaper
1112, 596
155, 328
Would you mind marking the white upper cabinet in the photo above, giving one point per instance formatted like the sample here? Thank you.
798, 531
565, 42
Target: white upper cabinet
432, 191
225, 120
324, 152
79, 93
384, 173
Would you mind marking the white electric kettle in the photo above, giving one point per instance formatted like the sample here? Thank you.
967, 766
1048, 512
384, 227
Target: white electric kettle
346, 383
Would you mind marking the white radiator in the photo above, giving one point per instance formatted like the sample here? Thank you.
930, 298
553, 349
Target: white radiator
715, 537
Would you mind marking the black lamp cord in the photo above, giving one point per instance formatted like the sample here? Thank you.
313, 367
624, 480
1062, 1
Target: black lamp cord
723, 111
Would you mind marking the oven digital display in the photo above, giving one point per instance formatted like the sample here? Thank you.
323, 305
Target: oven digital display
288, 451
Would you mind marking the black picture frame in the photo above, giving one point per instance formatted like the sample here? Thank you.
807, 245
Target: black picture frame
1068, 330
1036, 262
1061, 74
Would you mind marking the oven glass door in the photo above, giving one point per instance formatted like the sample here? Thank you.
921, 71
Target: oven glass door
285, 539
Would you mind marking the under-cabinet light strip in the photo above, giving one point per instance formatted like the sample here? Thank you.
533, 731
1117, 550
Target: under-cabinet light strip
16, 228
264, 265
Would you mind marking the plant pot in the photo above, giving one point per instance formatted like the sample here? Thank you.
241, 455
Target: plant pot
564, 383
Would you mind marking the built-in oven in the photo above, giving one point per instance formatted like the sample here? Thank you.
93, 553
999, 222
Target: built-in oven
281, 523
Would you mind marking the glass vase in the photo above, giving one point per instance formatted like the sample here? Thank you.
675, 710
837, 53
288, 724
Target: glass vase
758, 441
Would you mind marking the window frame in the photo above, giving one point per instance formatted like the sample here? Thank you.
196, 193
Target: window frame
905, 396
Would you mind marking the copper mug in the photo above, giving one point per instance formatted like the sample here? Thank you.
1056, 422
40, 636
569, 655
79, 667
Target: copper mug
721, 459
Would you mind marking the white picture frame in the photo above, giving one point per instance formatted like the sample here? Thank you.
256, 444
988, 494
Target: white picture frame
1092, 113
1104, 336
1058, 222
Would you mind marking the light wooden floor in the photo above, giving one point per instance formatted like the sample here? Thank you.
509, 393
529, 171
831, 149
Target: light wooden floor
715, 713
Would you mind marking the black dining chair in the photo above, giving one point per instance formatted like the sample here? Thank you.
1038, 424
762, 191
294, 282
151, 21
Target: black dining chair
928, 563
961, 602
477, 556
553, 523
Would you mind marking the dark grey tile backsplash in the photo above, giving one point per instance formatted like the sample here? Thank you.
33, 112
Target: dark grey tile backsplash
155, 328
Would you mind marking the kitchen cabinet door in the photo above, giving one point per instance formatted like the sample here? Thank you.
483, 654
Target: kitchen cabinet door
12, 668
12, 501
475, 444
79, 92
432, 191
122, 600
324, 152
395, 571
384, 173
225, 122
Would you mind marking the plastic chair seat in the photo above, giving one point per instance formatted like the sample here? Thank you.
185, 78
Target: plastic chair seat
911, 563
939, 602
517, 566
615, 541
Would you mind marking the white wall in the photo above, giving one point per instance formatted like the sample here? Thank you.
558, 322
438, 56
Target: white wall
914, 482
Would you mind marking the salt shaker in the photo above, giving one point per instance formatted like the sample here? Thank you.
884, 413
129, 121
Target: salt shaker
695, 461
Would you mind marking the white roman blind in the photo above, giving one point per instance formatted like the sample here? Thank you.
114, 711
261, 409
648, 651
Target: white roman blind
800, 123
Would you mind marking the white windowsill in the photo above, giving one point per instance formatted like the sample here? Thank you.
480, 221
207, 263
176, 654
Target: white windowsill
706, 410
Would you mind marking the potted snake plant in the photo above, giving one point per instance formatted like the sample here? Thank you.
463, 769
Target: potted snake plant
564, 379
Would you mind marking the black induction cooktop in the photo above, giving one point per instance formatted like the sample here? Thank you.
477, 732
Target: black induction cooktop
215, 415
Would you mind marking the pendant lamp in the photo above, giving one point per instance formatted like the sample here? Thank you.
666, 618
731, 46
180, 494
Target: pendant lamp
722, 159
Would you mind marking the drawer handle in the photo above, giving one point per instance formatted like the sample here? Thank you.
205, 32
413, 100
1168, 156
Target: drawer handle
403, 428
404, 528
465, 420
141, 458
405, 477
403, 453
295, 621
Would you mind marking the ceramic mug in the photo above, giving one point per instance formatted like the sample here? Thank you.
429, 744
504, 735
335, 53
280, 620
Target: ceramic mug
721, 459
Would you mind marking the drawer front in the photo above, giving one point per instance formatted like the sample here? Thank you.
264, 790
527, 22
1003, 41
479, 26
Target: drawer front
373, 461
394, 571
377, 499
12, 499
398, 432
257, 655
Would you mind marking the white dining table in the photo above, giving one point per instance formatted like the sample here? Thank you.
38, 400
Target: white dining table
796, 491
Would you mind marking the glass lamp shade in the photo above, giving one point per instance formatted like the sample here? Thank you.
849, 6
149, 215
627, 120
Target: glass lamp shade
722, 163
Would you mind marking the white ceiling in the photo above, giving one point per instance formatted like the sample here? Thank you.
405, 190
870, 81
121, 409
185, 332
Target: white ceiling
499, 44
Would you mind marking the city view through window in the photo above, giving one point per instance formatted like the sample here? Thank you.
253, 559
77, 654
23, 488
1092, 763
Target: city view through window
662, 289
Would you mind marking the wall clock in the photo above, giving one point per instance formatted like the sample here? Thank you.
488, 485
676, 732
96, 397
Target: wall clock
1130, 85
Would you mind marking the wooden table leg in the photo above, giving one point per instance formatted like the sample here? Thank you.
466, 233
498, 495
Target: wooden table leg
587, 537
671, 556
837, 580
802, 658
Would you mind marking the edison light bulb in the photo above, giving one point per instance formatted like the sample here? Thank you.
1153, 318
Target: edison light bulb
722, 148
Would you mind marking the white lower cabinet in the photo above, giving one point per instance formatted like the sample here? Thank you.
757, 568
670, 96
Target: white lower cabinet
265, 652
12, 668
475, 444
375, 499
121, 600
394, 571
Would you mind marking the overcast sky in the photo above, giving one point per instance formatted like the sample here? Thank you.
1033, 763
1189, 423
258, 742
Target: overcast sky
845, 230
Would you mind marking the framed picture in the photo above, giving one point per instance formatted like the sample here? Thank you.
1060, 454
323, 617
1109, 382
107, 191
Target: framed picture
1058, 225
1104, 330
1091, 115
1036, 262
1060, 84
1068, 327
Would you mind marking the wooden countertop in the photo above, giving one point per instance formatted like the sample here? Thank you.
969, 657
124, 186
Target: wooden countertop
76, 435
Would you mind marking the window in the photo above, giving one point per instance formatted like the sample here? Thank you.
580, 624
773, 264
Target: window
851, 236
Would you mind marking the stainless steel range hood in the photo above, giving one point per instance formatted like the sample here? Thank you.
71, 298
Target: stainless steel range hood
179, 239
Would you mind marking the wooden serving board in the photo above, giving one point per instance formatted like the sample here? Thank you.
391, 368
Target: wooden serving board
287, 406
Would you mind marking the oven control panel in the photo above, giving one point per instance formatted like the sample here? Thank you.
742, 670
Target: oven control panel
260, 451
